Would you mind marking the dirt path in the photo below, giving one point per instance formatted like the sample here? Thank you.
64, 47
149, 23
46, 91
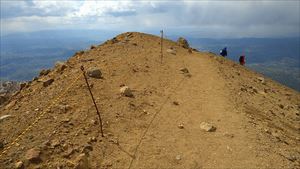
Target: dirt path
202, 98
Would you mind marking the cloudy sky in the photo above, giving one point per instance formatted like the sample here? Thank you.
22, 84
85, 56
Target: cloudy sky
214, 19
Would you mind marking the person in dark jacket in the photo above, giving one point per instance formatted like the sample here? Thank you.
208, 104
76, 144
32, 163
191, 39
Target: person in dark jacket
242, 60
223, 52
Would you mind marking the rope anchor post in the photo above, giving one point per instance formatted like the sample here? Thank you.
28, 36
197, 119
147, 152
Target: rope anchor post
97, 110
161, 45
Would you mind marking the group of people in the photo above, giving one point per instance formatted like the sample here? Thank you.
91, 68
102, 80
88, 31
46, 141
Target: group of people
242, 60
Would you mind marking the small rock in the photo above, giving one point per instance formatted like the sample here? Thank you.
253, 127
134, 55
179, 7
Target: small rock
44, 72
181, 126
178, 157
82, 162
183, 43
92, 139
33, 155
281, 106
19, 165
172, 51
228, 135
184, 70
55, 143
48, 82
23, 85
93, 47
207, 127
175, 103
60, 66
5, 117
94, 72
126, 91
1, 144
87, 148
261, 79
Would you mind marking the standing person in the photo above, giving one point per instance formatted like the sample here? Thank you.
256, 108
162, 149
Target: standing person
223, 52
242, 60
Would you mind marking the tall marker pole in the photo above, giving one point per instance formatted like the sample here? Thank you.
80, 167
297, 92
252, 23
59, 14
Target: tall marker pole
161, 45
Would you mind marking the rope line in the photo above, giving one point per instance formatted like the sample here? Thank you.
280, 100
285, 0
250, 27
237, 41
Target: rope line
38, 118
153, 118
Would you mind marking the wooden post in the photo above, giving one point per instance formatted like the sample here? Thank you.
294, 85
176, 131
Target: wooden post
161, 45
98, 113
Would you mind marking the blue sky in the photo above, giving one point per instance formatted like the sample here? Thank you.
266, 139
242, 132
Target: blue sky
212, 19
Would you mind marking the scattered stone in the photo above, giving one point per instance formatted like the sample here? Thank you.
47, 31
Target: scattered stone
5, 117
55, 143
207, 127
178, 157
92, 139
181, 126
82, 162
60, 66
226, 134
184, 70
114, 140
281, 106
183, 43
94, 72
1, 144
172, 51
48, 82
19, 165
228, 148
68, 153
23, 85
261, 79
79, 52
126, 91
175, 103
87, 148
33, 155
44, 72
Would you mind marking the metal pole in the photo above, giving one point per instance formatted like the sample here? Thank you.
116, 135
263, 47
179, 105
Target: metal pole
161, 45
98, 113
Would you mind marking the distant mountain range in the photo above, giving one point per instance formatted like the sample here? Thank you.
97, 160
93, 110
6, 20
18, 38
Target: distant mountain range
24, 54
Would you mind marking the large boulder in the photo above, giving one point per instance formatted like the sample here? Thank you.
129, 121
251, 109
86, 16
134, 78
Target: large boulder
183, 43
94, 72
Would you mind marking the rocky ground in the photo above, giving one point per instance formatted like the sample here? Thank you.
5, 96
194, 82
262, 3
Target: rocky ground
189, 110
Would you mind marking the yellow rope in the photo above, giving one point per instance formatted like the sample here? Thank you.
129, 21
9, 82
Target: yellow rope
54, 101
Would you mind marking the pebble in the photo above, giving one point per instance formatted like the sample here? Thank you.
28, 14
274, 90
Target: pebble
19, 165
178, 157
207, 127
94, 73
48, 82
5, 117
126, 91
181, 126
81, 161
33, 155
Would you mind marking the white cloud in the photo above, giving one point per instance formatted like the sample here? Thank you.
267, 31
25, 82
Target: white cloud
204, 18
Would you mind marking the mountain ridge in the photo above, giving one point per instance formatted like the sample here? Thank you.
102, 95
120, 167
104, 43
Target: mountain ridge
256, 119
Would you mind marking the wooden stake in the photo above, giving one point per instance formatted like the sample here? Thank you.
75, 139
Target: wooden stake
161, 45
98, 113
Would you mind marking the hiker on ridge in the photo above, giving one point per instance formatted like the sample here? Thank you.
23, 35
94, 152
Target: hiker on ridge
242, 60
223, 52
